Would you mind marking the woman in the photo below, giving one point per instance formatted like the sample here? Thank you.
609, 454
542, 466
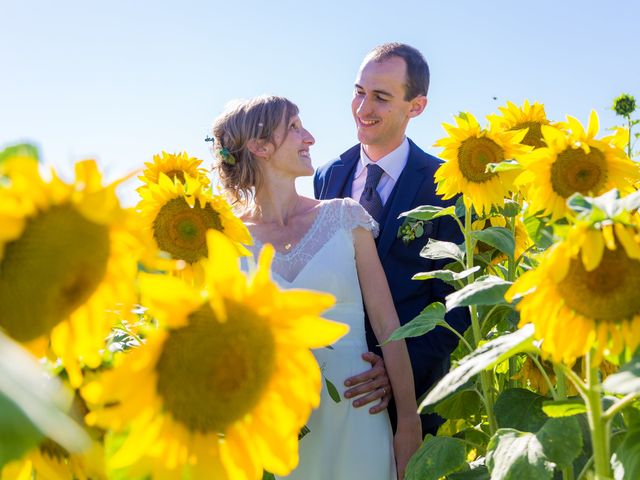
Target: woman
261, 148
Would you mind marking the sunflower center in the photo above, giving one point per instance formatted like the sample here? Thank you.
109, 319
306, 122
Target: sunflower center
175, 174
211, 374
534, 134
608, 293
50, 270
181, 230
577, 171
475, 154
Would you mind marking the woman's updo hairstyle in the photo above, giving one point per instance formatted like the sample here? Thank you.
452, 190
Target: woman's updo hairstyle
257, 118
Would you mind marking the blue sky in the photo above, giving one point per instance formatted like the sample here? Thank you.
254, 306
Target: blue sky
124, 79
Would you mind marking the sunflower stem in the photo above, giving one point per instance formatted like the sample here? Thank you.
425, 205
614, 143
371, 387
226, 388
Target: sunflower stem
620, 405
560, 393
485, 377
597, 422
511, 275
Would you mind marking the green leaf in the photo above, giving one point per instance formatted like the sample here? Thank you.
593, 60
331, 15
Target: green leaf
514, 455
626, 380
437, 249
497, 237
561, 440
504, 166
436, 457
42, 399
25, 150
332, 390
520, 409
510, 208
429, 212
460, 405
430, 317
445, 275
564, 408
626, 458
479, 473
539, 231
486, 356
486, 290
17, 427
268, 476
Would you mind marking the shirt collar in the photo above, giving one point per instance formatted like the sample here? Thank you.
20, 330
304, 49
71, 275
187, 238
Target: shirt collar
392, 163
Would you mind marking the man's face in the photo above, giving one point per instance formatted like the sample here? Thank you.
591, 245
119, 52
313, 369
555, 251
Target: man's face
379, 108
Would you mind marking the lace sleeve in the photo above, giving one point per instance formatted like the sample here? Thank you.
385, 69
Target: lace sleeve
354, 215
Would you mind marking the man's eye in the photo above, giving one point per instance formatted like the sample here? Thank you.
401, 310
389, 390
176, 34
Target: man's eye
381, 99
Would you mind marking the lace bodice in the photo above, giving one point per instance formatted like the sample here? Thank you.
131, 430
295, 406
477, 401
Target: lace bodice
340, 214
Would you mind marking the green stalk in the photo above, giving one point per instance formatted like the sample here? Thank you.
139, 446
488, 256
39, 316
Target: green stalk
561, 394
511, 276
485, 377
597, 423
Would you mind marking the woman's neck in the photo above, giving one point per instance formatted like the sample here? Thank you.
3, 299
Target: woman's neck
276, 204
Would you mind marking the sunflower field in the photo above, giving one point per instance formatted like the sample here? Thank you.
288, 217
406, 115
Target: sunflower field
133, 346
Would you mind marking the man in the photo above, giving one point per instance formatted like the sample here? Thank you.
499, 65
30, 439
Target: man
391, 89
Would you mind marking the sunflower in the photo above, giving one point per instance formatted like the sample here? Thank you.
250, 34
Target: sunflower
467, 151
531, 117
222, 388
177, 216
67, 263
584, 293
575, 162
176, 166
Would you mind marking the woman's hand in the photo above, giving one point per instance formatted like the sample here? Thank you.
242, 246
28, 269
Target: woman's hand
406, 442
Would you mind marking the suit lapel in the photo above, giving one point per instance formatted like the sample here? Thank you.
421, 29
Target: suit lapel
401, 200
340, 176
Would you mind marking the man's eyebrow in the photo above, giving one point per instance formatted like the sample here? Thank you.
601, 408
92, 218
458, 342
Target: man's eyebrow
379, 92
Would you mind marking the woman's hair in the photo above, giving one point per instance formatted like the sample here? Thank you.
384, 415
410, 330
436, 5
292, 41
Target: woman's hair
257, 118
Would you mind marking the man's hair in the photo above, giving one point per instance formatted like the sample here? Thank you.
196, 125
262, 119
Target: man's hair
417, 82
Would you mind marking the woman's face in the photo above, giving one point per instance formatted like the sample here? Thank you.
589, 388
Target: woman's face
292, 143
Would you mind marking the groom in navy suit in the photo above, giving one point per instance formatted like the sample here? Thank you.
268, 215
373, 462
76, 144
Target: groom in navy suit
389, 174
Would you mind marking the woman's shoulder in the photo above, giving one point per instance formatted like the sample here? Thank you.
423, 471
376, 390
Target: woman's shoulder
351, 214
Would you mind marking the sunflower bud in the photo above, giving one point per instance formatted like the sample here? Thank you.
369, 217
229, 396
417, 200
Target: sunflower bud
624, 105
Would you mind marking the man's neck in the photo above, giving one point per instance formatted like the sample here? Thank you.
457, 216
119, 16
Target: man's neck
376, 152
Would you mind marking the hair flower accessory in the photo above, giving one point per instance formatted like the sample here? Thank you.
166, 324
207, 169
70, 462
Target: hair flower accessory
222, 152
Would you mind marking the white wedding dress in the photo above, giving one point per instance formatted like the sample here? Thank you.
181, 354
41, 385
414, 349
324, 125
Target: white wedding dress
344, 443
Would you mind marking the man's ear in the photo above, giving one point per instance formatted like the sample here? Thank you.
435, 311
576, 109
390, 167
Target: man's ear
418, 105
260, 148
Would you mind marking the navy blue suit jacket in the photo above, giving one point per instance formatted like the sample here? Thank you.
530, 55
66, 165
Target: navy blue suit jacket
429, 353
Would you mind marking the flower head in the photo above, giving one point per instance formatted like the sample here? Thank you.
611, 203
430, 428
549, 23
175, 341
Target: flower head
531, 117
584, 292
574, 162
176, 166
467, 151
222, 388
68, 261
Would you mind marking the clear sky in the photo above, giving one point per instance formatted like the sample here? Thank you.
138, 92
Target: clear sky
120, 80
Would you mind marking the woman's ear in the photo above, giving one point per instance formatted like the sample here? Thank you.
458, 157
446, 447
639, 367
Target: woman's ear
260, 148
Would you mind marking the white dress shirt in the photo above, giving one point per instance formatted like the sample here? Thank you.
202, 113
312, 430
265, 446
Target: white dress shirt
393, 163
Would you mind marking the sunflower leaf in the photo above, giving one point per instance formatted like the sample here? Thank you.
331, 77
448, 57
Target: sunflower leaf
518, 455
428, 319
520, 409
486, 356
445, 275
438, 249
332, 390
564, 408
626, 458
626, 380
497, 237
429, 212
23, 150
486, 290
436, 457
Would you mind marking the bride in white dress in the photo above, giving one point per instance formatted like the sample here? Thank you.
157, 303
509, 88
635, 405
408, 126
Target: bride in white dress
261, 148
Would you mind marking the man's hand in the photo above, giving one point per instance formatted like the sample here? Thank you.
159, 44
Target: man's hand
371, 385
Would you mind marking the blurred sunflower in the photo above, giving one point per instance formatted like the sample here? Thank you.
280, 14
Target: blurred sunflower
575, 162
177, 215
224, 385
531, 117
52, 462
176, 166
67, 263
584, 293
467, 151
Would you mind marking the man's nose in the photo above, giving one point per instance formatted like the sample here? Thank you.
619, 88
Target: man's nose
364, 107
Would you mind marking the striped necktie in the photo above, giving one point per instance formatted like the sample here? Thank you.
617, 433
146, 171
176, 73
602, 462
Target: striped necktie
370, 198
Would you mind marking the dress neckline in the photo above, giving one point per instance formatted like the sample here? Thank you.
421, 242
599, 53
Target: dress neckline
304, 238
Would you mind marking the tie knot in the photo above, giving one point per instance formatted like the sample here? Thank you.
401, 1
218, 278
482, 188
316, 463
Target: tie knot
374, 172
